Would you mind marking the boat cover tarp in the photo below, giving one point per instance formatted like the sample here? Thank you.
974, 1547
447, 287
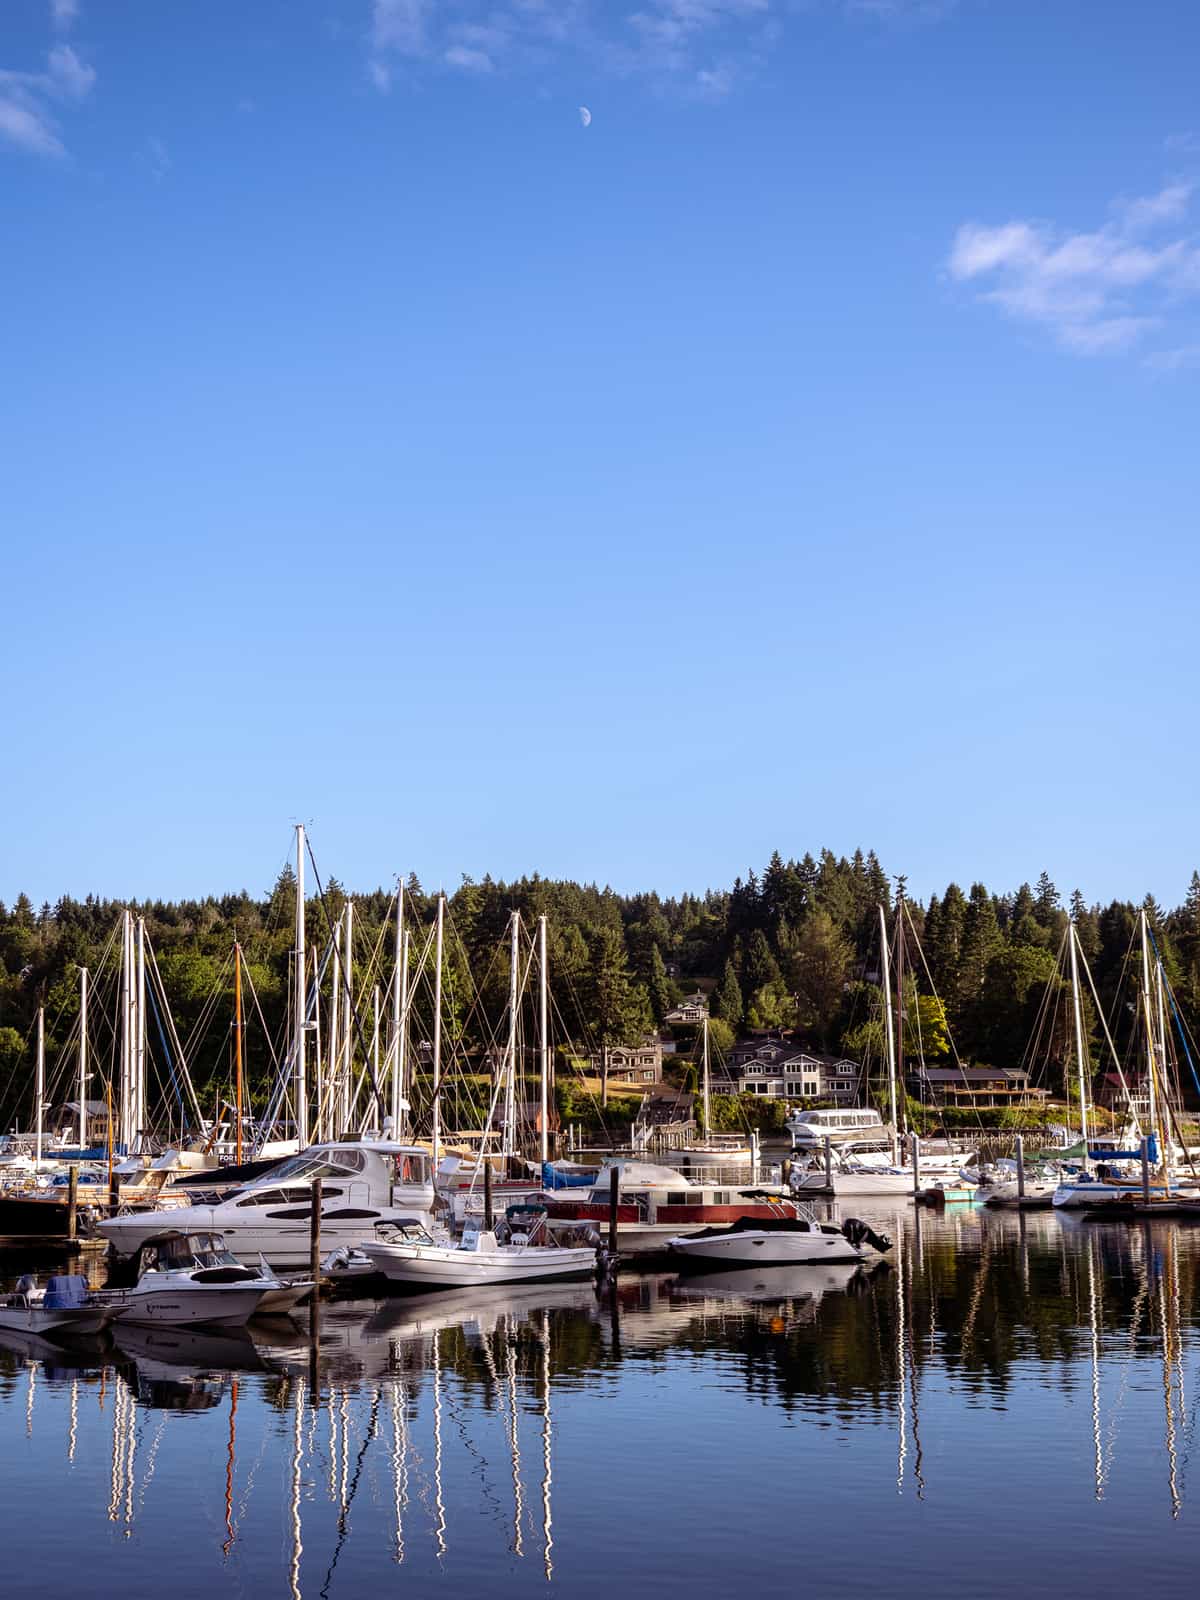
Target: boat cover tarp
552, 1178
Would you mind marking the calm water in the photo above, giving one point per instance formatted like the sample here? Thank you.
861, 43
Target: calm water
1010, 1403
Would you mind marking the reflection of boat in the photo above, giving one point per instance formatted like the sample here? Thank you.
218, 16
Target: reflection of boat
66, 1352
407, 1254
769, 1284
166, 1352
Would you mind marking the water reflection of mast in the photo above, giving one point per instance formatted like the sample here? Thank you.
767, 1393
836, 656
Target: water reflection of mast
297, 1457
1093, 1316
230, 1460
71, 1436
547, 1537
901, 1365
1167, 1306
400, 1462
514, 1441
919, 1454
440, 1529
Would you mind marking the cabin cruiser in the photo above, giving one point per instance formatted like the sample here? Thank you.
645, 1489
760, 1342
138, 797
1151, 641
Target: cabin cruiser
65, 1305
810, 1129
868, 1168
186, 1277
364, 1182
789, 1238
518, 1251
654, 1204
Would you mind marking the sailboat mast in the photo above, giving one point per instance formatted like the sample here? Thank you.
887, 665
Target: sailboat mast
237, 1045
348, 1020
401, 1093
1162, 1062
705, 1087
398, 977
544, 1036
139, 1076
300, 1017
508, 1147
126, 1020
83, 1061
901, 1108
1077, 1008
327, 1109
40, 1086
437, 1035
889, 1035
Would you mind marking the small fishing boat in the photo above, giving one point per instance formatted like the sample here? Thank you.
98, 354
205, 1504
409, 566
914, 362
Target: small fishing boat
520, 1251
779, 1240
186, 1278
65, 1305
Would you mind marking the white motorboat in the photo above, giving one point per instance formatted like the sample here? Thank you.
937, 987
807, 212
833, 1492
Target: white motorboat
187, 1278
65, 1305
782, 1241
364, 1182
517, 1254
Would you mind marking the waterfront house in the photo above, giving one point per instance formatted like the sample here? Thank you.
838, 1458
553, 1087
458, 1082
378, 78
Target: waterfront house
989, 1087
689, 1012
636, 1064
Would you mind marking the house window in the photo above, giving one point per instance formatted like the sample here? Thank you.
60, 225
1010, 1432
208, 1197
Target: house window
647, 1077
846, 1069
795, 1088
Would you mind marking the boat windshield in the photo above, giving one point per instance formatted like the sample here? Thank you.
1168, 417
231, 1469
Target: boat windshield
187, 1250
314, 1164
402, 1233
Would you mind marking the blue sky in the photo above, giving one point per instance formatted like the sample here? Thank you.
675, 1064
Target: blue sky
801, 453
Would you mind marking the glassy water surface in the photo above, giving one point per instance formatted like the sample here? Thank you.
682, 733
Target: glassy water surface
1009, 1402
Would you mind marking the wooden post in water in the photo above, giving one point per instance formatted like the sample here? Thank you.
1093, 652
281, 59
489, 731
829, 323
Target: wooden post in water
828, 1163
314, 1238
489, 1219
72, 1201
1020, 1167
1145, 1169
614, 1198
916, 1155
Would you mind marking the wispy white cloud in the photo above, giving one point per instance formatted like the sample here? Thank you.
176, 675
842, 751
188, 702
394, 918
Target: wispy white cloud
1096, 292
461, 55
156, 157
1182, 358
29, 101
64, 14
69, 74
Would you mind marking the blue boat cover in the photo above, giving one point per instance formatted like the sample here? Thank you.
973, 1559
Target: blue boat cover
552, 1178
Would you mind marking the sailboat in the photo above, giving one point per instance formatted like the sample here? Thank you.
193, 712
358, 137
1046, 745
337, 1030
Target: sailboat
1105, 1184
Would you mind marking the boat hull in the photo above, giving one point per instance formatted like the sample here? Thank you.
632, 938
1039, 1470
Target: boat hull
764, 1250
213, 1305
35, 1319
433, 1267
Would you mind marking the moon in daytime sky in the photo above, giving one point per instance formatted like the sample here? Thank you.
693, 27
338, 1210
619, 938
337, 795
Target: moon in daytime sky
585, 116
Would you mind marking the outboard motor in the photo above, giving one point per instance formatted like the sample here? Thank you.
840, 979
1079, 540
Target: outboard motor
857, 1232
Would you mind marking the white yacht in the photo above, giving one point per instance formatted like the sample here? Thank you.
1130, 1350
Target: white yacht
364, 1182
810, 1129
